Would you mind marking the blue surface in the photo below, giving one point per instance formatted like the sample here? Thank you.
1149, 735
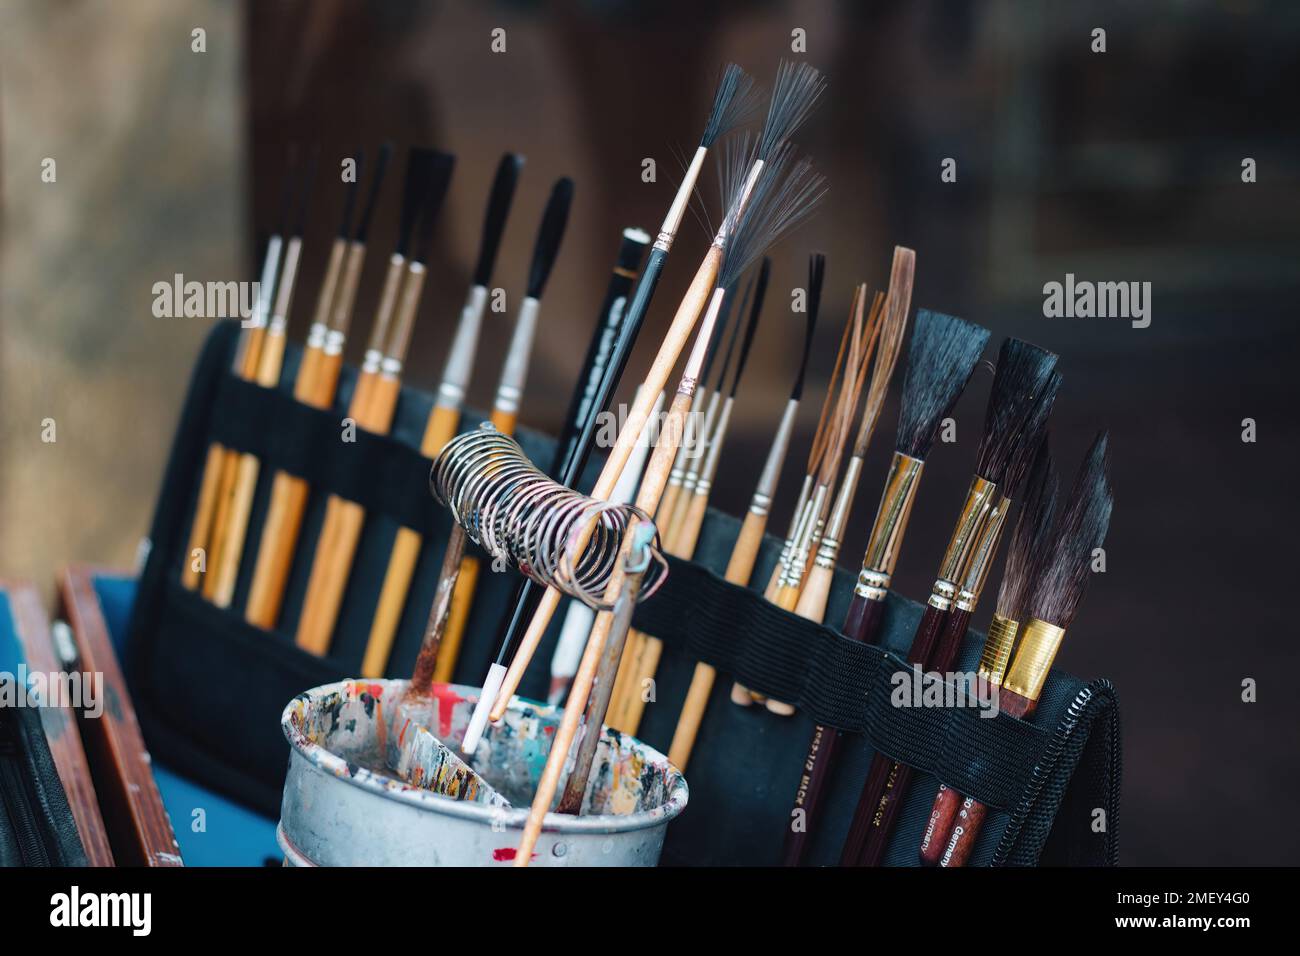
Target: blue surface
232, 835
10, 654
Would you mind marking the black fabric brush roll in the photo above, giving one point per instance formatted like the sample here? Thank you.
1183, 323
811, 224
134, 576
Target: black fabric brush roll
209, 687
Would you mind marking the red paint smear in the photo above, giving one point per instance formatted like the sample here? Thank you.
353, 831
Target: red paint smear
507, 853
447, 700
376, 691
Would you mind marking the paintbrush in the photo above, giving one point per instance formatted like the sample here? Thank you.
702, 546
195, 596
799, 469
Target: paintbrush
444, 418
236, 502
645, 656
744, 553
1031, 541
759, 212
316, 386
249, 348
1020, 383
1062, 580
372, 408
796, 92
940, 362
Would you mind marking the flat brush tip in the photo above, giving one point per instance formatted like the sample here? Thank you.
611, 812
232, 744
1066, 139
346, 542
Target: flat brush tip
940, 362
1016, 412
549, 236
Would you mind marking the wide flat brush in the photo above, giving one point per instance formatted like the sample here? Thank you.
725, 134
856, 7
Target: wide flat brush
316, 385
1052, 606
372, 407
1024, 373
796, 93
1030, 543
444, 418
940, 362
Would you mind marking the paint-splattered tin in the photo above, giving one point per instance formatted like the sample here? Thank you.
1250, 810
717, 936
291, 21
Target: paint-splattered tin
341, 807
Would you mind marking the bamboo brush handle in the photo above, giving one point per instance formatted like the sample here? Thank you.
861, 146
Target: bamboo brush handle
275, 555
647, 663
232, 547
667, 504
220, 519
326, 380
688, 313
204, 512
688, 534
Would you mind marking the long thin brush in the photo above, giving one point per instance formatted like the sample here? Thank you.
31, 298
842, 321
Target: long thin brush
1020, 386
779, 199
518, 646
316, 387
233, 508
372, 408
744, 553
444, 418
1061, 582
940, 362
1030, 543
686, 534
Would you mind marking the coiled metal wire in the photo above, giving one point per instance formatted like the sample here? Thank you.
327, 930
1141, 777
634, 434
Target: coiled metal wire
519, 515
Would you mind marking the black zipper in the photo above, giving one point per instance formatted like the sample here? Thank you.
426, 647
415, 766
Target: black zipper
1046, 766
16, 795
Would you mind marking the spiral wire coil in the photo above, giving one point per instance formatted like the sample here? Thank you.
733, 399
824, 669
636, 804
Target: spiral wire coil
518, 514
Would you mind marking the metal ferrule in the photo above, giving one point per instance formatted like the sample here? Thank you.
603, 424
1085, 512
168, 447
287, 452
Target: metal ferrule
771, 473
408, 306
341, 316
391, 367
515, 372
965, 536
810, 526
710, 469
828, 551
695, 363
277, 326
316, 335
731, 216
266, 286
759, 504
387, 302
678, 473
460, 359
330, 284
984, 548
372, 360
676, 212
1039, 643
889, 527
288, 279
998, 645
334, 340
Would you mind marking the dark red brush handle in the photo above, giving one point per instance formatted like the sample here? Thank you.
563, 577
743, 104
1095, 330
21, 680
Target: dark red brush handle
884, 774
939, 827
860, 623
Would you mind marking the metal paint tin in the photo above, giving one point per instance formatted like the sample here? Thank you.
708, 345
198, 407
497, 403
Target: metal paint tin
342, 807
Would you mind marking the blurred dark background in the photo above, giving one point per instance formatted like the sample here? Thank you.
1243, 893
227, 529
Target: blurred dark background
1117, 166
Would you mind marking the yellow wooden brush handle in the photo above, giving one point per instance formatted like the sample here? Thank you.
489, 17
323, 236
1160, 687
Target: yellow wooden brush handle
220, 519
275, 555
329, 576
504, 421
624, 678
325, 380
635, 700
816, 592
232, 549
688, 532
204, 512
666, 505
392, 599
305, 382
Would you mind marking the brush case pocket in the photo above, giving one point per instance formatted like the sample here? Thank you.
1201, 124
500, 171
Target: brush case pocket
209, 687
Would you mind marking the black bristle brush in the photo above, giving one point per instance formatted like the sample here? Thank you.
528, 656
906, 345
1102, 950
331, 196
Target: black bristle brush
1023, 389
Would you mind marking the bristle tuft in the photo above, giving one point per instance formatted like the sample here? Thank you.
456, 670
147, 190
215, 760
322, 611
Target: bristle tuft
419, 167
1031, 541
350, 191
760, 291
1064, 577
1022, 457
549, 236
794, 95
1023, 373
436, 192
893, 327
738, 100
816, 278
940, 362
494, 221
372, 197
785, 193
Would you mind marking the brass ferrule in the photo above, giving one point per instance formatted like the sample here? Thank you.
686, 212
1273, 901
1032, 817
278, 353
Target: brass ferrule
998, 645
983, 549
1039, 643
346, 297
965, 535
676, 212
890, 525
511, 387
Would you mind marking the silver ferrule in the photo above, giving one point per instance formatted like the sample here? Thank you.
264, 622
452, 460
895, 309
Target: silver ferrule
460, 359
334, 340
889, 526
771, 472
372, 360
316, 335
288, 279
266, 286
390, 366
710, 468
676, 212
515, 372
704, 435
828, 551
809, 528
331, 282
982, 552
349, 280
678, 473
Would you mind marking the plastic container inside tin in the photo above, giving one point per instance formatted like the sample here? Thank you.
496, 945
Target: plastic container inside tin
343, 807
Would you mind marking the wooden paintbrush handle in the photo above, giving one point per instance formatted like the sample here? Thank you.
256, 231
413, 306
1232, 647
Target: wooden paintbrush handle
392, 599
504, 421
462, 602
634, 703
325, 380
232, 549
275, 555
329, 574
204, 512
966, 826
939, 826
816, 592
688, 534
220, 519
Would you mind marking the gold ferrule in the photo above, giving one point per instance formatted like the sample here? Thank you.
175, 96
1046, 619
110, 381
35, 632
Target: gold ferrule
965, 535
983, 549
1039, 643
998, 645
891, 522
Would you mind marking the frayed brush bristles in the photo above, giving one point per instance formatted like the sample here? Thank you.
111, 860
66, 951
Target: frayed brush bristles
795, 93
441, 167
1022, 374
737, 101
1031, 541
816, 278
760, 291
1022, 458
940, 362
893, 328
785, 193
372, 197
549, 236
1082, 529
419, 168
350, 191
494, 220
